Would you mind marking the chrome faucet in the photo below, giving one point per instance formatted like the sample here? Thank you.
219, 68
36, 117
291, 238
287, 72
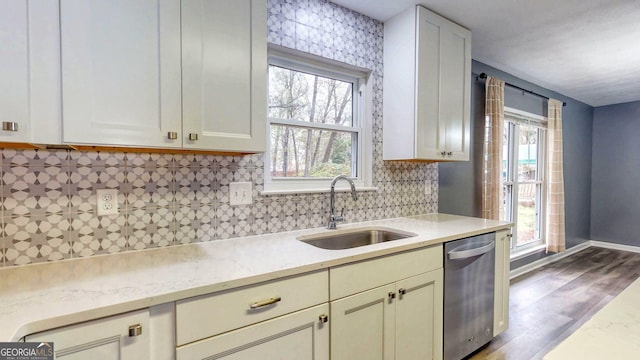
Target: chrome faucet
333, 218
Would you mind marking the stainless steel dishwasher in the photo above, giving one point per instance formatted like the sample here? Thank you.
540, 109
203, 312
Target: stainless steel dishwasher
469, 271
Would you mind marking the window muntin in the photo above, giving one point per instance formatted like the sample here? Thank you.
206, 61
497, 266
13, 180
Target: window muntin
316, 125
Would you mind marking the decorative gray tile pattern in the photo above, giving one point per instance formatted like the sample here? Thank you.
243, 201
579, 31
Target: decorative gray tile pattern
95, 235
48, 198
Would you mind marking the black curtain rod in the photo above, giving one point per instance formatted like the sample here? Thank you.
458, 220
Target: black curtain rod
483, 76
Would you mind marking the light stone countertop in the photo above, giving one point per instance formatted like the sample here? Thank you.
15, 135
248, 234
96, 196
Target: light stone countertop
612, 333
40, 297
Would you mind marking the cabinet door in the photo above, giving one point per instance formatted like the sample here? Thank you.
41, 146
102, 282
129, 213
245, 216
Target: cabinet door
224, 59
501, 296
443, 88
298, 336
121, 72
29, 71
103, 339
455, 90
363, 325
419, 317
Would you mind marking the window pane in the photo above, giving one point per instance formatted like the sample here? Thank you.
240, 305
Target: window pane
301, 152
506, 210
526, 213
528, 153
310, 98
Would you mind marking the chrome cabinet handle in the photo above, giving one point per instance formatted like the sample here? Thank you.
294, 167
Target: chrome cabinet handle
193, 136
266, 302
323, 319
402, 291
135, 330
172, 135
450, 153
392, 295
443, 153
9, 126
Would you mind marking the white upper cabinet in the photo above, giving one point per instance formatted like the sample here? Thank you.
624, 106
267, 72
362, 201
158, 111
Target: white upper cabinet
145, 73
427, 80
224, 60
29, 71
121, 72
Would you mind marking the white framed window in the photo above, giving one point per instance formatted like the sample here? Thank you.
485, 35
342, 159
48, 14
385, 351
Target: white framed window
524, 152
318, 124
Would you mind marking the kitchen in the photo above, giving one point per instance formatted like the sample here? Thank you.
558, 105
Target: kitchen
181, 197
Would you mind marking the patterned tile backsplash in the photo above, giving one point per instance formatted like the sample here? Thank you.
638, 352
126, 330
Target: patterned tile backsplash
49, 197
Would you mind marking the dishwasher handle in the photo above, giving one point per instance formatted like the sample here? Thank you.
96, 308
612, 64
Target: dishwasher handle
456, 254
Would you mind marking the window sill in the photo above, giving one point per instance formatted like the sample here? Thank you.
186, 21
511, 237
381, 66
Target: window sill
516, 255
315, 191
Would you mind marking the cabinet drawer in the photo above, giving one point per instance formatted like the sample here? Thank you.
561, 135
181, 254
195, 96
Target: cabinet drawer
354, 278
208, 315
294, 336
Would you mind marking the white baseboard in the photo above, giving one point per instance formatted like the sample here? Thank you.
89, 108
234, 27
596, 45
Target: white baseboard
547, 260
613, 246
572, 250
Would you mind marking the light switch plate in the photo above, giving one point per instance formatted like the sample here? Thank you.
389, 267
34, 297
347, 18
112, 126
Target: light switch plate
240, 193
107, 201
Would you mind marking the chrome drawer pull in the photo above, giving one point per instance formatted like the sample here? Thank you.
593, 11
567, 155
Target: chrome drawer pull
193, 137
172, 135
266, 302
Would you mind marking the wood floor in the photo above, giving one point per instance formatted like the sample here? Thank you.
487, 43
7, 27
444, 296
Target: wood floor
549, 304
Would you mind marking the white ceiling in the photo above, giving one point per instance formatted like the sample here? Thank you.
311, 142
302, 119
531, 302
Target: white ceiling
585, 49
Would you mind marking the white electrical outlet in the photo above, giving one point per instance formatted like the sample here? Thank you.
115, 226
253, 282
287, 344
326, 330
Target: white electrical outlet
427, 187
107, 201
240, 193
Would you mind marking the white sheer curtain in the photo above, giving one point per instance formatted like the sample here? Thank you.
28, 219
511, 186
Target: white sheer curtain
555, 232
492, 197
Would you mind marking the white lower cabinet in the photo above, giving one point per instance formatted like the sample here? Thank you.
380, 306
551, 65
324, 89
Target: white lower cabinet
136, 335
104, 339
280, 319
419, 317
298, 336
387, 308
394, 308
501, 286
362, 325
400, 321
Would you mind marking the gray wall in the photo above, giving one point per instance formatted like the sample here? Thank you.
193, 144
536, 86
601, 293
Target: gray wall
615, 210
459, 183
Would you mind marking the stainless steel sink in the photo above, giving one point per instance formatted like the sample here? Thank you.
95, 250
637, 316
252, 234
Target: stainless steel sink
351, 238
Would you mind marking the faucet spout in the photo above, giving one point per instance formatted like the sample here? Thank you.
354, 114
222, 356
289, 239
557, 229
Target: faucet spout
333, 218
